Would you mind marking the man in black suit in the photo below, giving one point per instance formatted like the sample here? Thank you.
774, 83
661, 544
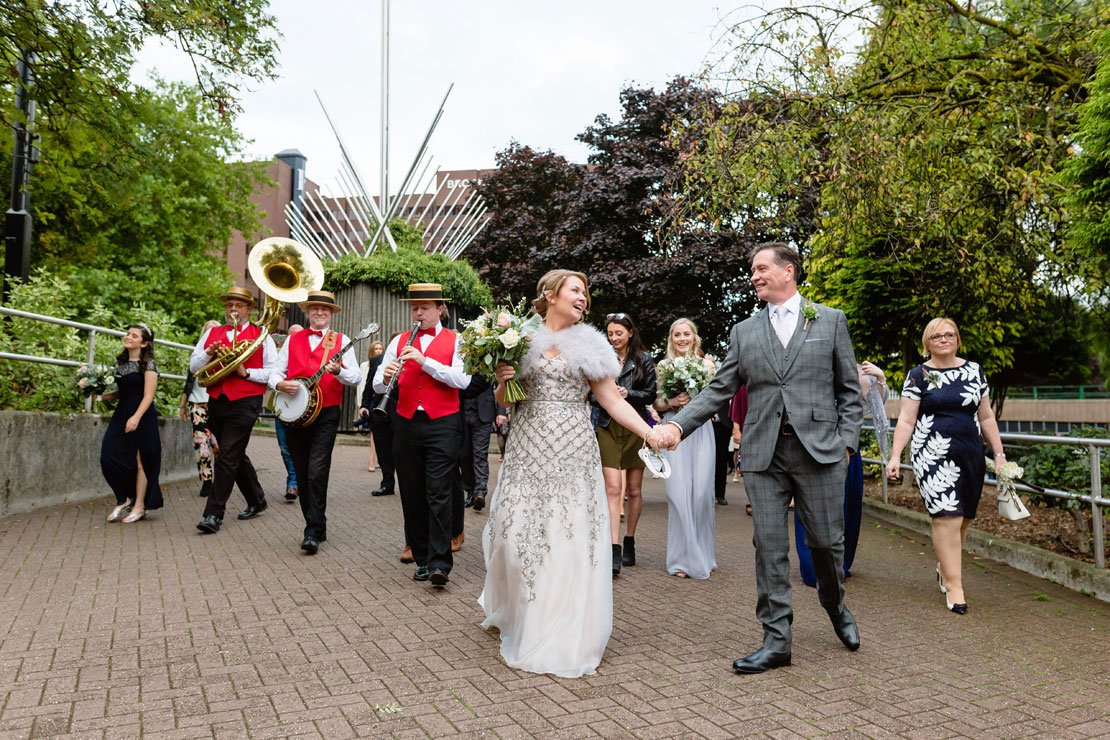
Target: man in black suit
479, 412
381, 428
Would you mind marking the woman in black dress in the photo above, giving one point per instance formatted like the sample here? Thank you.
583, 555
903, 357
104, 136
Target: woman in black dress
946, 411
131, 454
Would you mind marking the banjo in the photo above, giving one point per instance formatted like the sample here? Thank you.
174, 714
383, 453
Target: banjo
301, 408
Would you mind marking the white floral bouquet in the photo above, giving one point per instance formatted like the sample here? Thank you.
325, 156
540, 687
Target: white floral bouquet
94, 379
684, 375
500, 334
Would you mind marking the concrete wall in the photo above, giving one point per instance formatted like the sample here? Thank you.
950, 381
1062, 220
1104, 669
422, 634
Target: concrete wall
50, 459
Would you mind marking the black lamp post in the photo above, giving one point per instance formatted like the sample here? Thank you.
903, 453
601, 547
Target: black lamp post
17, 220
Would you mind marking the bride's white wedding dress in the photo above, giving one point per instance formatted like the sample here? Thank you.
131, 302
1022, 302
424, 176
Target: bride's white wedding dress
549, 583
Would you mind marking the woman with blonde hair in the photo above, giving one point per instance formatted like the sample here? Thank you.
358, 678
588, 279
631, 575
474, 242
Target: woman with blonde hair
549, 586
691, 537
946, 410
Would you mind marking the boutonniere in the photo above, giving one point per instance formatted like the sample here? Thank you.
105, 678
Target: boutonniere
809, 311
933, 379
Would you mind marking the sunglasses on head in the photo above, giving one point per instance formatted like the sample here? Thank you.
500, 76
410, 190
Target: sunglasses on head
617, 317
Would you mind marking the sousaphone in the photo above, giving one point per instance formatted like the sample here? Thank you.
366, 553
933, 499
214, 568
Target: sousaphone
285, 271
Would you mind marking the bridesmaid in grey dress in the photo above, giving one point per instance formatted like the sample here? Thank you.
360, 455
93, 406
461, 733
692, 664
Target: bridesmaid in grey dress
691, 531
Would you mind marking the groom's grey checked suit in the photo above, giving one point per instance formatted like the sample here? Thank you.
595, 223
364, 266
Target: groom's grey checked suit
804, 410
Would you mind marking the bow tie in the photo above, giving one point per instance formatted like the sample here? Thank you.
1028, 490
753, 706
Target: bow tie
314, 333
428, 332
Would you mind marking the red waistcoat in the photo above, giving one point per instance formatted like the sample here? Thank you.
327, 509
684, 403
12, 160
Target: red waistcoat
234, 386
415, 388
303, 364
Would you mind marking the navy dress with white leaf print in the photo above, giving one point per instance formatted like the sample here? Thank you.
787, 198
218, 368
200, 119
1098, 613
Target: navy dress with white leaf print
947, 448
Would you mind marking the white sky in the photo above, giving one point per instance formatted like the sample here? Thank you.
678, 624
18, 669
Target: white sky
535, 72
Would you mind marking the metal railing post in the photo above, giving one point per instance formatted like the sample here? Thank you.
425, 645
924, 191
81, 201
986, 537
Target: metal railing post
91, 359
1097, 521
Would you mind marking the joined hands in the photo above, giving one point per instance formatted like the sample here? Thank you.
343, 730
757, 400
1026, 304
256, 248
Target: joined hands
663, 436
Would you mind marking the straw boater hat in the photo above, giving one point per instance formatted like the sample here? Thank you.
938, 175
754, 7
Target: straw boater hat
321, 298
239, 294
425, 292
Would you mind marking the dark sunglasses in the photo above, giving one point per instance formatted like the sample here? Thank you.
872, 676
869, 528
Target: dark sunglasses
617, 317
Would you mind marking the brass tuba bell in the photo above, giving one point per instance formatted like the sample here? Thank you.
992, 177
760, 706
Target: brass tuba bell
285, 271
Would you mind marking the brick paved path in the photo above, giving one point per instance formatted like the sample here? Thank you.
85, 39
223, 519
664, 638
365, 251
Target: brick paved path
152, 629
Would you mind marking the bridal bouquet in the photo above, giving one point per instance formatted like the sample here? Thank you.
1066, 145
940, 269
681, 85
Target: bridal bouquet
94, 379
684, 375
500, 334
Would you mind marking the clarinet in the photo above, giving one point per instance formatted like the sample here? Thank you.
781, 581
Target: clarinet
380, 409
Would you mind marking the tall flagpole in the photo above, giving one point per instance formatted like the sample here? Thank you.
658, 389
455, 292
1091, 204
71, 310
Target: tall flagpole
384, 197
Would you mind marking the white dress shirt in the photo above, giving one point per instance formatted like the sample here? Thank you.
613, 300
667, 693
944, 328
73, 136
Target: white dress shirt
200, 357
784, 317
349, 373
451, 375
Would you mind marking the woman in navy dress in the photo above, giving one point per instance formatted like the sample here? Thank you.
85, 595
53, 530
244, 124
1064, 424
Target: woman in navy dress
945, 414
131, 454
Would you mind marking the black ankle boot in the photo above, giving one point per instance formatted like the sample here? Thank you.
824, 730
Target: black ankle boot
629, 556
616, 560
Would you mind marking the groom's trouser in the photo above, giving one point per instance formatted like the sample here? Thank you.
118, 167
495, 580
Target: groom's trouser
818, 493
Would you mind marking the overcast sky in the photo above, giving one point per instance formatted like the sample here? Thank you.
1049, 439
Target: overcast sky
535, 72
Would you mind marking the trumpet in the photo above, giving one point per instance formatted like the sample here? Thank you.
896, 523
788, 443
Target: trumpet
381, 409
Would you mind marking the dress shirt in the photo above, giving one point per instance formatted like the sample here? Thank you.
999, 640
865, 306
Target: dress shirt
451, 375
784, 317
349, 373
200, 357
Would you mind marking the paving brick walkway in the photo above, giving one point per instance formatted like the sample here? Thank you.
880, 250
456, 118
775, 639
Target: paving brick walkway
152, 629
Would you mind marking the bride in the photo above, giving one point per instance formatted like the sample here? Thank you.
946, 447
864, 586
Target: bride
549, 582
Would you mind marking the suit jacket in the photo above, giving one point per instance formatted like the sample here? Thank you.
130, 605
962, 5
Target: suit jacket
477, 398
813, 381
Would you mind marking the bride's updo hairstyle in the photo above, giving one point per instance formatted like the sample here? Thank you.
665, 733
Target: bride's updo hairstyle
551, 283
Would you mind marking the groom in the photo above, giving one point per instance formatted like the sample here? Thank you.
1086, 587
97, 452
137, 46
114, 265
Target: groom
804, 418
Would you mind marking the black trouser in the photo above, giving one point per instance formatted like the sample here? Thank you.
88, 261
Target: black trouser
475, 453
427, 456
381, 427
722, 433
311, 448
231, 423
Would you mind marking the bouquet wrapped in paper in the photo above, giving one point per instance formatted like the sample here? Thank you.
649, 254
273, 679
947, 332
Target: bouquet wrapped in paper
95, 379
500, 334
684, 375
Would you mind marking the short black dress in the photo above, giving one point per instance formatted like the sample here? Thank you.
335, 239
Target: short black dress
118, 450
947, 448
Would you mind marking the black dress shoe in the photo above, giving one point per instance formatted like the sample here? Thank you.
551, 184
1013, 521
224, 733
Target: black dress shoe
479, 503
468, 501
310, 545
209, 524
721, 501
761, 660
252, 511
422, 573
846, 629
382, 491
438, 577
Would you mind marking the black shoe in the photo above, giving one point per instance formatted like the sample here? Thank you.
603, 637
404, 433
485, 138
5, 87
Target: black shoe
205, 488
209, 524
955, 608
438, 577
617, 560
721, 501
628, 554
846, 629
310, 545
761, 660
422, 573
468, 501
382, 491
479, 503
291, 493
252, 511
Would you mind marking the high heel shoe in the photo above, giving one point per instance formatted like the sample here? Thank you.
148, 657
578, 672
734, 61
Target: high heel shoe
940, 581
955, 608
117, 512
134, 516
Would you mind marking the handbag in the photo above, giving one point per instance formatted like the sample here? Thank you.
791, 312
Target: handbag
1010, 505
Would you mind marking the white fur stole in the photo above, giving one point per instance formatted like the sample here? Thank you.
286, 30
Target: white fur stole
585, 349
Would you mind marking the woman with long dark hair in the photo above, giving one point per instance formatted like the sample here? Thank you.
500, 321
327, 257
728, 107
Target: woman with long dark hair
620, 447
131, 453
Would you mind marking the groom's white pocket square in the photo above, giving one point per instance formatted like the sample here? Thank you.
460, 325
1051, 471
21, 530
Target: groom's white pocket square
819, 339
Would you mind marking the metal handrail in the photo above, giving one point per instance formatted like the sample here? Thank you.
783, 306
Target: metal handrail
92, 329
1095, 499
